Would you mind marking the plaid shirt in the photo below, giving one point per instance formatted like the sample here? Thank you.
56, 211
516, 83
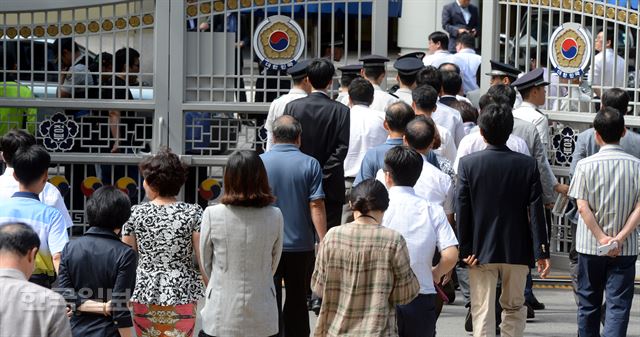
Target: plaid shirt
362, 272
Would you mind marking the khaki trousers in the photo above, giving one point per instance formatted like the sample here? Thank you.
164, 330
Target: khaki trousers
483, 280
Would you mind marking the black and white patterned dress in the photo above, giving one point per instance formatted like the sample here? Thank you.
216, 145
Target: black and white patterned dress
166, 273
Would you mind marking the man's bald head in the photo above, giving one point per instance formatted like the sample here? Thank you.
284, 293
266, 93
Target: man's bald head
17, 239
286, 130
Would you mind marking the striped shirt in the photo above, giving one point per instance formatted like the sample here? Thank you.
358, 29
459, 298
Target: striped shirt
609, 181
362, 272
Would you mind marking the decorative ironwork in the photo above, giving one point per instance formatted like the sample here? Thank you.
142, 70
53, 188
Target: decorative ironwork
564, 144
58, 132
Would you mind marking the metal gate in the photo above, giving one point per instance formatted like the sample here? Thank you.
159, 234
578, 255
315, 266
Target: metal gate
197, 88
518, 32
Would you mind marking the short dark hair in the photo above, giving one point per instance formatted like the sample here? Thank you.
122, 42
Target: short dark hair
451, 82
525, 93
30, 163
441, 37
374, 71
407, 80
65, 43
610, 35
164, 172
369, 195
298, 81
446, 65
12, 141
108, 208
496, 124
404, 165
609, 123
616, 98
123, 61
18, 238
430, 76
398, 115
346, 79
361, 91
425, 97
501, 91
101, 61
487, 99
466, 40
467, 111
286, 129
245, 181
543, 55
320, 73
420, 133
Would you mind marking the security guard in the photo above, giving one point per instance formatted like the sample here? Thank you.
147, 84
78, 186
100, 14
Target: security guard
349, 73
300, 88
374, 70
408, 67
532, 88
501, 73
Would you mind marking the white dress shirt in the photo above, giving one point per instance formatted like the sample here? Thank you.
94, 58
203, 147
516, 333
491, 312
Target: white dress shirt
469, 62
603, 72
554, 91
366, 131
466, 14
447, 147
276, 109
405, 95
342, 95
437, 58
449, 118
529, 113
574, 100
49, 196
474, 142
433, 186
381, 99
423, 226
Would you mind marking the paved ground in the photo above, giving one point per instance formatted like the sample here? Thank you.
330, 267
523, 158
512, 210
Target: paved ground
557, 320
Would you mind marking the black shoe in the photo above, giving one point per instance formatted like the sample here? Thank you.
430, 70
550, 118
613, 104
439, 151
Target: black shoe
530, 312
535, 304
316, 303
468, 322
497, 331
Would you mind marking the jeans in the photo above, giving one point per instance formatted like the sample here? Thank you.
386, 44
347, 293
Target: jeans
614, 277
528, 288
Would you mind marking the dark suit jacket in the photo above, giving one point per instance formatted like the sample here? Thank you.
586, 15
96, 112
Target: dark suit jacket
499, 210
452, 20
325, 137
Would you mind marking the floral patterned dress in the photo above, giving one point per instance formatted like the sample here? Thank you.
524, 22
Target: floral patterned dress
168, 282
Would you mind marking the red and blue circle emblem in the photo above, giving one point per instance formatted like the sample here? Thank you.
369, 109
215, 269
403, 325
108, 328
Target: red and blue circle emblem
569, 48
279, 40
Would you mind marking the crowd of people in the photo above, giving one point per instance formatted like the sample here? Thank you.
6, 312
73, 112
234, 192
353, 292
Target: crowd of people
366, 212
367, 208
